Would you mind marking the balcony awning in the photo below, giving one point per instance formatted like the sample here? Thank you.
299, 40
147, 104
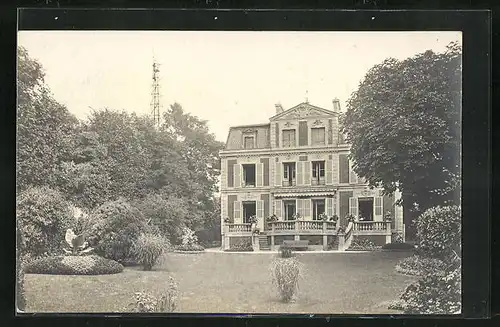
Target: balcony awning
304, 193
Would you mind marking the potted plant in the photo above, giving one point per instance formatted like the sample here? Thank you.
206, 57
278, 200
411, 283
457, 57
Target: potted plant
388, 216
296, 216
272, 218
334, 218
349, 218
323, 216
227, 221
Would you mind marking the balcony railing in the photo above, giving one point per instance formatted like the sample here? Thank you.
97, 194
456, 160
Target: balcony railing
316, 181
239, 228
372, 227
298, 227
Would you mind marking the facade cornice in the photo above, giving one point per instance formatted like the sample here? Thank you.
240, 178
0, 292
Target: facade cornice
290, 151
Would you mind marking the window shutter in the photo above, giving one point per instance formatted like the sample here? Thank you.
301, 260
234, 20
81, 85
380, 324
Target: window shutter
237, 212
343, 169
259, 174
335, 169
277, 208
237, 175
307, 172
277, 175
353, 206
353, 178
307, 208
303, 137
300, 207
300, 175
377, 208
329, 172
260, 209
329, 207
223, 180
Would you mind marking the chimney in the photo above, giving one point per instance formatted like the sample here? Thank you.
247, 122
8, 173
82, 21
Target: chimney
336, 105
279, 108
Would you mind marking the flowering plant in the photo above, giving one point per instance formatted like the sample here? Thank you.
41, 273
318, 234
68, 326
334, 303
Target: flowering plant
388, 216
296, 216
349, 218
226, 220
334, 218
272, 218
252, 219
323, 216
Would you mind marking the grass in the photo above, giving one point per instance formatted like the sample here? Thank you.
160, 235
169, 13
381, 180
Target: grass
233, 283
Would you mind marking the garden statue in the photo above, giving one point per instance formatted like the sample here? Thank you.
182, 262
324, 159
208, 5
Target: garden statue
77, 243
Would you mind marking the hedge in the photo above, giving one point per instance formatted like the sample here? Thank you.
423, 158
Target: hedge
74, 265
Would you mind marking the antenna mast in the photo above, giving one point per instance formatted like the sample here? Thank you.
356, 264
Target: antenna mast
155, 95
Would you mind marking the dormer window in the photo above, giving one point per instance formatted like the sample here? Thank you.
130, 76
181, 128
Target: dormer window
288, 138
249, 142
318, 136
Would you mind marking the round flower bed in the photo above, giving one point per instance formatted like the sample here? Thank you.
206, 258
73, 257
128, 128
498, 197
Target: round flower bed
189, 248
420, 266
74, 265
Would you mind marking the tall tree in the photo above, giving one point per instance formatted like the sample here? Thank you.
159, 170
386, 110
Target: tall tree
404, 126
45, 128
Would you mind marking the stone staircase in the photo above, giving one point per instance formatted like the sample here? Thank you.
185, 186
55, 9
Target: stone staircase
263, 244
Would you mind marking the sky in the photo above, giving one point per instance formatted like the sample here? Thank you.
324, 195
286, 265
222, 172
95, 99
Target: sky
226, 78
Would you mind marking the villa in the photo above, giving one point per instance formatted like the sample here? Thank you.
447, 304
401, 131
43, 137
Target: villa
291, 180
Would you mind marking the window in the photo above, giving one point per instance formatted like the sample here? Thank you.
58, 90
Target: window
289, 174
318, 136
249, 175
289, 207
249, 210
318, 172
365, 206
288, 138
249, 142
318, 208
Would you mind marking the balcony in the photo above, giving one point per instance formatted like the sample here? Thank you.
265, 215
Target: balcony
302, 227
372, 228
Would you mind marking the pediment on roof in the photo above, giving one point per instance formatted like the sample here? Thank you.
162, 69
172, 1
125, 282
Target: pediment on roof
303, 110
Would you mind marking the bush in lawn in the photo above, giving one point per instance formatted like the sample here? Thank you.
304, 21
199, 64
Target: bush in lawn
362, 244
285, 276
285, 252
398, 246
439, 232
44, 216
435, 293
74, 265
416, 265
116, 225
148, 249
165, 302
189, 241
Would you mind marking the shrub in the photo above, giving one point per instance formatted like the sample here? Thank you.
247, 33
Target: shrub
285, 276
188, 237
167, 213
420, 266
243, 245
398, 246
165, 302
435, 293
439, 232
74, 265
148, 249
44, 216
362, 244
285, 252
116, 225
190, 247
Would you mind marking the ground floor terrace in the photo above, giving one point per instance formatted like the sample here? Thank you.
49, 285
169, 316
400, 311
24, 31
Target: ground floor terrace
319, 216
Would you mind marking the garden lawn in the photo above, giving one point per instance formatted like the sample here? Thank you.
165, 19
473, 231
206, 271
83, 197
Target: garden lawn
233, 283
